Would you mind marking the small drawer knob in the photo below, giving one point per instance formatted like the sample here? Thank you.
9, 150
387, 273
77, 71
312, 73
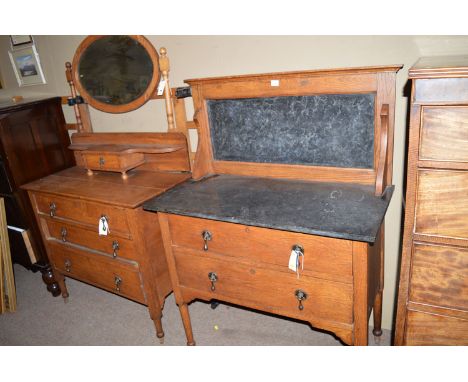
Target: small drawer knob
52, 209
207, 236
68, 265
115, 248
118, 283
301, 296
213, 278
64, 233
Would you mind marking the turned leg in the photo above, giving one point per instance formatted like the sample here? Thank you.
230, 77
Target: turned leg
187, 325
49, 279
158, 326
61, 281
377, 331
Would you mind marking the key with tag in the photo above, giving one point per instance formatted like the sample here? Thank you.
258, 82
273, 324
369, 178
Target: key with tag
103, 226
161, 87
294, 259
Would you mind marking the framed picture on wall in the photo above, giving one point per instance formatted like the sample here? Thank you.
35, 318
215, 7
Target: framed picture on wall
19, 40
27, 66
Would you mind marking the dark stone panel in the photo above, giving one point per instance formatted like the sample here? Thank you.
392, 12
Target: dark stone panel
339, 210
324, 130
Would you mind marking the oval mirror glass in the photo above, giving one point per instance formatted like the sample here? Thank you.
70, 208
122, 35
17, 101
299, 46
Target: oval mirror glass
116, 73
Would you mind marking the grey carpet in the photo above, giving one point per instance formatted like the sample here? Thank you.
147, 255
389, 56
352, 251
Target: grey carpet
92, 316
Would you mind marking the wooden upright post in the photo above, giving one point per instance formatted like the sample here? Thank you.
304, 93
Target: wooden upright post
164, 67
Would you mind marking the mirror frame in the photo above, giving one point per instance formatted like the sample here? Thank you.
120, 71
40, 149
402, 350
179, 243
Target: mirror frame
136, 103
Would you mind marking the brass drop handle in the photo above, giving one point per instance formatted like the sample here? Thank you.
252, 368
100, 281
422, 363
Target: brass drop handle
115, 248
207, 236
299, 249
213, 278
117, 282
52, 209
64, 233
301, 296
67, 265
101, 161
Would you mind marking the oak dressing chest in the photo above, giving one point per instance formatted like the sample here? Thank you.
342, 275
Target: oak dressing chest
292, 179
91, 216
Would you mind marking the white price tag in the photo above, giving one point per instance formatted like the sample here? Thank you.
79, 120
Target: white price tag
103, 226
161, 86
293, 260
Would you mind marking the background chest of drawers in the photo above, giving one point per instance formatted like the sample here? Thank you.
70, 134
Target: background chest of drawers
433, 291
33, 144
70, 205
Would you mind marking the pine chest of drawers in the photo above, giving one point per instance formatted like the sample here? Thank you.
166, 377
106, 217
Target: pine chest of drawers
129, 259
433, 293
292, 182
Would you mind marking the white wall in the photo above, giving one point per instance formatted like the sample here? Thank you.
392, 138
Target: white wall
205, 56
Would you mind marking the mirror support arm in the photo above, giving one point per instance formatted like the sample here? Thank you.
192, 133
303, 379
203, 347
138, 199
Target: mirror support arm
68, 73
164, 67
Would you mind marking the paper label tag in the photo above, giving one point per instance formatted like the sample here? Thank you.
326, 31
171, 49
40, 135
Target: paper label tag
103, 226
274, 83
293, 259
161, 86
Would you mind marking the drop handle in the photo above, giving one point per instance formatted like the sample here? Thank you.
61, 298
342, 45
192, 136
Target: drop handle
213, 278
118, 283
102, 161
67, 265
115, 248
52, 209
64, 233
301, 296
207, 236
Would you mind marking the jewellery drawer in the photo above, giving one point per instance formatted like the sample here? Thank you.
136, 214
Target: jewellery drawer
116, 247
442, 203
444, 127
110, 274
214, 277
439, 276
331, 258
433, 329
84, 212
112, 162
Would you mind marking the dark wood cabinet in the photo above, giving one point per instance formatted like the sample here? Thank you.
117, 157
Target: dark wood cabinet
33, 144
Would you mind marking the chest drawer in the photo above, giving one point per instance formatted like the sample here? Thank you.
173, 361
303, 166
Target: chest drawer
443, 128
84, 212
112, 162
331, 258
442, 203
439, 276
110, 274
117, 247
432, 329
268, 289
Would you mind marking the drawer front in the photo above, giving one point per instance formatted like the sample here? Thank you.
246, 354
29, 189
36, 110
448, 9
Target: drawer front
113, 162
442, 203
83, 212
439, 276
264, 289
436, 90
326, 256
431, 329
444, 134
116, 247
98, 270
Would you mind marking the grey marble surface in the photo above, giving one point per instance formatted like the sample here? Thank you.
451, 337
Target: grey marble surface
324, 130
339, 210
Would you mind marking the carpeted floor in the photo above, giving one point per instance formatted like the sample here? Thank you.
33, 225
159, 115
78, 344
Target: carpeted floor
92, 316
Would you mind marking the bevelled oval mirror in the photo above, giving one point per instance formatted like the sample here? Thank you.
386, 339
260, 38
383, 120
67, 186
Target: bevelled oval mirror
116, 74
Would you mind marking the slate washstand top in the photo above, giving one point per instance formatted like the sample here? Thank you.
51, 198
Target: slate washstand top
339, 210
